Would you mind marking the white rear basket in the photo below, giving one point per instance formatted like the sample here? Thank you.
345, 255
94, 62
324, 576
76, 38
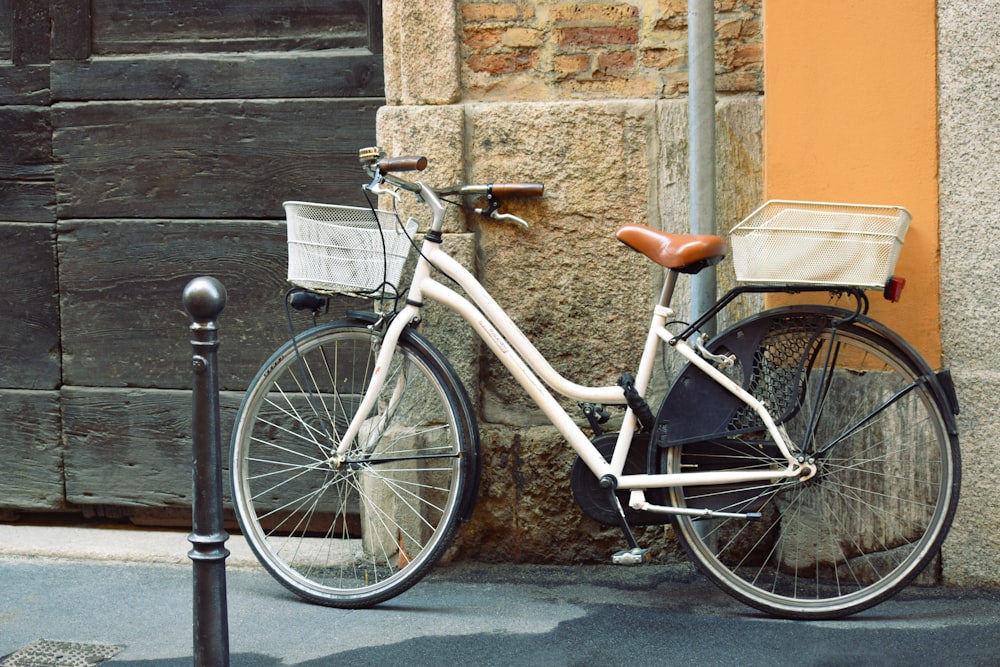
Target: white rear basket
792, 242
346, 249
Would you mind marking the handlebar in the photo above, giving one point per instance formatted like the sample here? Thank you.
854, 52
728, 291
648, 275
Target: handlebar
407, 163
524, 190
383, 169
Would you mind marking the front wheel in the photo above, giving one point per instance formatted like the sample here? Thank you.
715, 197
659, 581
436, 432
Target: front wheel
870, 415
357, 532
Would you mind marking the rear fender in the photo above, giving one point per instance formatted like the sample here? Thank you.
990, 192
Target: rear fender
697, 409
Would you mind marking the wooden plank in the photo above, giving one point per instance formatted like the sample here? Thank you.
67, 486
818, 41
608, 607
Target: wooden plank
29, 314
71, 29
27, 190
6, 9
131, 26
375, 23
225, 159
26, 84
122, 281
342, 73
26, 152
27, 201
30, 32
133, 447
31, 449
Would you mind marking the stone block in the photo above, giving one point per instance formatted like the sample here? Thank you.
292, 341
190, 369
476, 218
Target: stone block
421, 52
448, 330
968, 89
568, 284
438, 134
971, 554
738, 182
969, 206
576, 292
525, 511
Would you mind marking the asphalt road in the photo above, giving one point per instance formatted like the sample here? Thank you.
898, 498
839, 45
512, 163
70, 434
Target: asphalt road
478, 614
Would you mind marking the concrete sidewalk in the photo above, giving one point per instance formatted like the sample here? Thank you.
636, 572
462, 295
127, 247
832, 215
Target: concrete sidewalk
115, 544
129, 592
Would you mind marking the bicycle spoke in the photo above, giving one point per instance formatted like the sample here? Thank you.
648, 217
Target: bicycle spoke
356, 532
878, 505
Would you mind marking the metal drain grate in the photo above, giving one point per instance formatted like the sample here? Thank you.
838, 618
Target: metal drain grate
48, 653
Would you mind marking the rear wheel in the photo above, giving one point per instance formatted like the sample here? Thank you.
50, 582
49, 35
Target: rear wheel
874, 515
359, 532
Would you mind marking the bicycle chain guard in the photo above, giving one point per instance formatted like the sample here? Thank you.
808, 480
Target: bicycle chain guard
773, 353
593, 498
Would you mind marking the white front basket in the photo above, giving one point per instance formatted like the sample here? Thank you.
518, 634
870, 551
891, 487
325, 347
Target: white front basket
346, 249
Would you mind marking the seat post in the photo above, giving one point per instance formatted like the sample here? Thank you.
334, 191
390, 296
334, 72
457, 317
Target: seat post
668, 288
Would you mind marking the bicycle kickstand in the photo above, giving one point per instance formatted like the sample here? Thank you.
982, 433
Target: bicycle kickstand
635, 555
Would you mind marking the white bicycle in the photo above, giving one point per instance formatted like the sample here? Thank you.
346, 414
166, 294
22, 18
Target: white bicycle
807, 456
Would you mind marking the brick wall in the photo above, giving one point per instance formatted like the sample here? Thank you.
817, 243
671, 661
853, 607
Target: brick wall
585, 50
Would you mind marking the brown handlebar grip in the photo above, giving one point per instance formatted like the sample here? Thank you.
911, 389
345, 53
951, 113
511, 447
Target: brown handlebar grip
517, 189
405, 163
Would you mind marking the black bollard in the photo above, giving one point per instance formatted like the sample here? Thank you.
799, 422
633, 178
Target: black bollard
204, 298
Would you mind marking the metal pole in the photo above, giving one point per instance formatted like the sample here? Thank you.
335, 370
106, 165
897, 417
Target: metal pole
701, 143
204, 298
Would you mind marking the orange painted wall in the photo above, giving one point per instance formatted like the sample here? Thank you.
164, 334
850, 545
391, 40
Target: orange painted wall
850, 115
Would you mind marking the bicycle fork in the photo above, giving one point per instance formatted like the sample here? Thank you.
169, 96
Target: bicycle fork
383, 364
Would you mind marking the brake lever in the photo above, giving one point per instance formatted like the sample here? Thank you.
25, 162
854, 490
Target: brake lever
507, 217
376, 188
493, 211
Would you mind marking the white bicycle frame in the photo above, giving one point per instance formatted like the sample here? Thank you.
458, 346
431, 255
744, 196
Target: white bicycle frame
533, 372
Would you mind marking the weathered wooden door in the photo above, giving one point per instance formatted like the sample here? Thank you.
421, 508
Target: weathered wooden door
146, 142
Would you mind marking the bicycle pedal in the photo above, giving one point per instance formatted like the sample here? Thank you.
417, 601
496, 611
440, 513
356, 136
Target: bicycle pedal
636, 556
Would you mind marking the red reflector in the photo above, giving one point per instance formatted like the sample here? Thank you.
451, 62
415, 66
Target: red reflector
894, 288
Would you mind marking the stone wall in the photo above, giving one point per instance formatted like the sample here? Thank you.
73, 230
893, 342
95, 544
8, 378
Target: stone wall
587, 98
968, 91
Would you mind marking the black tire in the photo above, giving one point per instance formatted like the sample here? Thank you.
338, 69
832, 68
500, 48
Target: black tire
362, 532
861, 403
